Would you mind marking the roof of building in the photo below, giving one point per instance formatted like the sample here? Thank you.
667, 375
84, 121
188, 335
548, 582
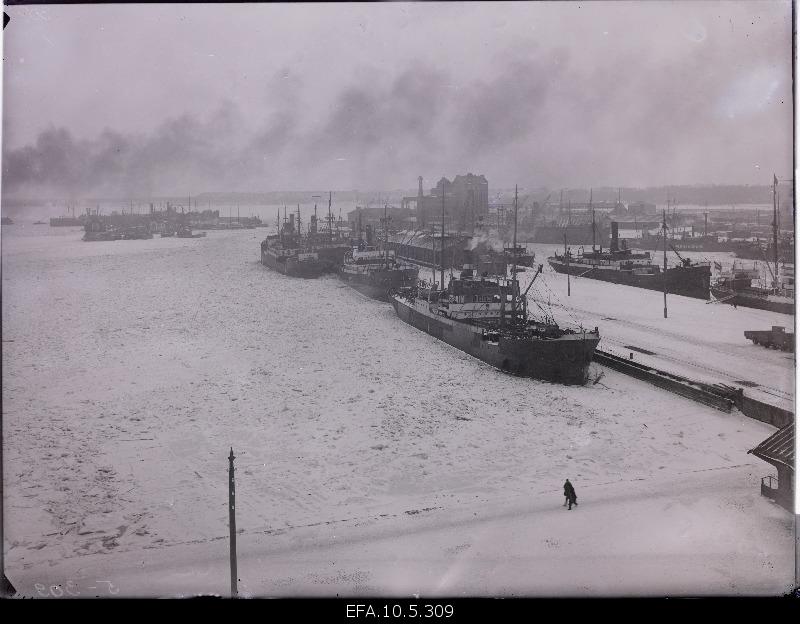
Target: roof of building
778, 448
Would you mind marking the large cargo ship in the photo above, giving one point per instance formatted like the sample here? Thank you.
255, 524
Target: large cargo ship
285, 254
623, 266
487, 317
288, 253
376, 273
688, 243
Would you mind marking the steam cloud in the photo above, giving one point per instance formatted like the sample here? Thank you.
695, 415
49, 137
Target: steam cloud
544, 118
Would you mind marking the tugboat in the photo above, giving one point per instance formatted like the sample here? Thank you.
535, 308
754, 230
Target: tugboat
487, 317
376, 273
622, 266
285, 252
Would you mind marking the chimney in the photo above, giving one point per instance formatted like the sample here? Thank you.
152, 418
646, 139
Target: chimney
614, 237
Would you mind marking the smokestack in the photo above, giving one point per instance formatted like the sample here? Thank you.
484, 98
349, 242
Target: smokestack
614, 237
419, 194
291, 223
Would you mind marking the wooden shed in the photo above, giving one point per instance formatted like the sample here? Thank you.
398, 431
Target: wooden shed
778, 450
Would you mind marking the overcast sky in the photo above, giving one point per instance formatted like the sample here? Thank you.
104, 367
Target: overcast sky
184, 99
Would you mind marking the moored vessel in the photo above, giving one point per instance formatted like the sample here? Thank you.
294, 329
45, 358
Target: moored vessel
735, 287
623, 266
487, 317
376, 273
287, 253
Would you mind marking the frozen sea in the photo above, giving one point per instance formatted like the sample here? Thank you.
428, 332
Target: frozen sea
371, 458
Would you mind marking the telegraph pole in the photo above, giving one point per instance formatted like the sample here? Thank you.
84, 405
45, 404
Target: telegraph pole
665, 261
232, 524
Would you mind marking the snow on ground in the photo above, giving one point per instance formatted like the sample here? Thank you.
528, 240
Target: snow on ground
131, 367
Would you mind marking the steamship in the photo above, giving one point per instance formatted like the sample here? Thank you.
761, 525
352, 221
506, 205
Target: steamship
376, 273
623, 266
287, 253
487, 317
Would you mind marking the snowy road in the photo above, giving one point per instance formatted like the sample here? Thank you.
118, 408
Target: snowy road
677, 536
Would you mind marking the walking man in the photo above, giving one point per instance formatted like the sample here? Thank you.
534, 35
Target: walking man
569, 494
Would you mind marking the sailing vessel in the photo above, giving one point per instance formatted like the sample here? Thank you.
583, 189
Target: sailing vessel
488, 318
623, 266
735, 287
374, 272
287, 252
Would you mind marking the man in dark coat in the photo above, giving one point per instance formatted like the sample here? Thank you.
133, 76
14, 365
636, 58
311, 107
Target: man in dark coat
569, 494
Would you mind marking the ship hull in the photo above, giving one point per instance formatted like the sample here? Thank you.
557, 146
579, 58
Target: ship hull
333, 256
678, 245
379, 284
292, 267
752, 301
561, 360
688, 282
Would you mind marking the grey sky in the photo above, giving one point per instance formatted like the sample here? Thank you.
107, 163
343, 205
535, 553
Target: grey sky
185, 98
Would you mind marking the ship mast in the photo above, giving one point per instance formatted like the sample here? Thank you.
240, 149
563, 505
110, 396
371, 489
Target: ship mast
385, 236
775, 228
591, 207
330, 217
441, 286
514, 260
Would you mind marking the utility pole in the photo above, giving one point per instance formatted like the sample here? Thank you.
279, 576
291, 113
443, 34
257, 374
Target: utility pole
665, 263
232, 524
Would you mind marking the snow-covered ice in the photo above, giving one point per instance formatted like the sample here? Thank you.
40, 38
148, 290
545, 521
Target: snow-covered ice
371, 458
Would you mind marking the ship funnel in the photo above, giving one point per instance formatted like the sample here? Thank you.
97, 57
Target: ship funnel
614, 236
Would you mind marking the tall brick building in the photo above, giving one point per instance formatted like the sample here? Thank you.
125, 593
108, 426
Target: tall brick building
466, 199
